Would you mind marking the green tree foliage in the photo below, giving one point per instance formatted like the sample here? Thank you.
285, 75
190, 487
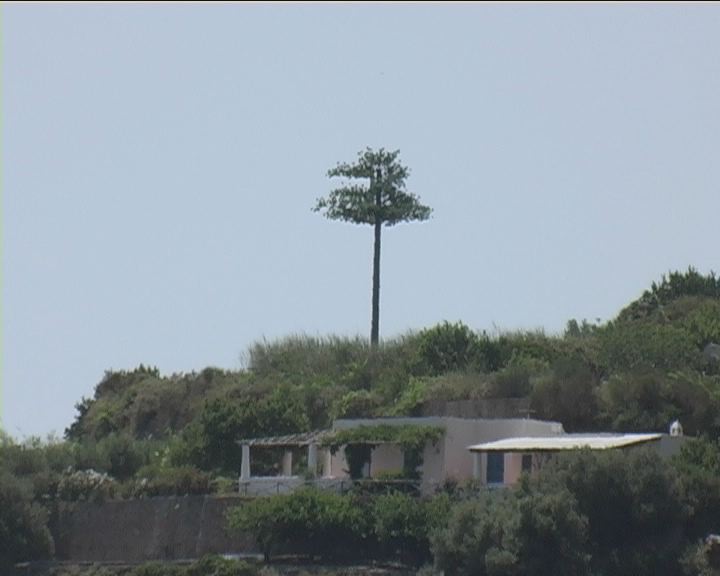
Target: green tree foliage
633, 506
117, 454
207, 566
698, 466
702, 559
358, 404
567, 394
402, 525
309, 522
645, 345
650, 400
157, 480
515, 380
23, 524
448, 348
384, 201
619, 513
674, 286
211, 444
511, 533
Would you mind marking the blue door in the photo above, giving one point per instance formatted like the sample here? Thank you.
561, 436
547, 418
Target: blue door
495, 468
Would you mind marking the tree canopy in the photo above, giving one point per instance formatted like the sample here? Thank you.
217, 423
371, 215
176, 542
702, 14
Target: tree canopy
358, 203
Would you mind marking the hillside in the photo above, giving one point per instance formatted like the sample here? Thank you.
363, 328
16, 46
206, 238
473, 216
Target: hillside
639, 371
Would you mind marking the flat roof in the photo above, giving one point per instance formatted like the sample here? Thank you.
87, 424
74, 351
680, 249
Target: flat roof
289, 440
564, 442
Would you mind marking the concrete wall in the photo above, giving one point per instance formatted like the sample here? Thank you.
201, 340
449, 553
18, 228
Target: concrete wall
386, 458
513, 467
146, 529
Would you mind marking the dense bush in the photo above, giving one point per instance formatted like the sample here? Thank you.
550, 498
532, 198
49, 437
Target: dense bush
210, 443
698, 466
515, 380
633, 504
402, 525
168, 481
87, 485
309, 522
508, 533
448, 348
674, 286
117, 454
23, 524
567, 393
620, 513
350, 527
206, 566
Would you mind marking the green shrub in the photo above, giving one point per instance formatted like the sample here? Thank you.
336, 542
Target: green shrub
447, 348
158, 569
401, 523
513, 533
515, 379
86, 485
213, 565
169, 481
410, 402
567, 394
223, 485
210, 565
647, 345
309, 522
23, 525
672, 287
357, 404
698, 467
632, 501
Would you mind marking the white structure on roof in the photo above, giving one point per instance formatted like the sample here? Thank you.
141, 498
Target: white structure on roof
676, 428
566, 442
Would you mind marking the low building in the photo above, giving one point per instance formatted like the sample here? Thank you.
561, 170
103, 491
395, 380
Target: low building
501, 462
317, 457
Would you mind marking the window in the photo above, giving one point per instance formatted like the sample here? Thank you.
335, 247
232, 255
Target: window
495, 468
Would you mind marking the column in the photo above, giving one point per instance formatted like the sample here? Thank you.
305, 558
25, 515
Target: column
245, 463
476, 465
287, 463
328, 463
312, 459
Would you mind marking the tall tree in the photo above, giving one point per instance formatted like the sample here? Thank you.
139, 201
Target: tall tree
381, 201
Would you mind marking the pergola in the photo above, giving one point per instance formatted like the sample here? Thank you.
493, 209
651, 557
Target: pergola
311, 440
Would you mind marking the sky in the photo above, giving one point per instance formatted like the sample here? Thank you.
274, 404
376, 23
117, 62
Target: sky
160, 164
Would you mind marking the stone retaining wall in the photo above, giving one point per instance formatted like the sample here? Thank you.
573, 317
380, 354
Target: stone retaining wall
164, 528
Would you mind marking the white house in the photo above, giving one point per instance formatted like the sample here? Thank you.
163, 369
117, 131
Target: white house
448, 458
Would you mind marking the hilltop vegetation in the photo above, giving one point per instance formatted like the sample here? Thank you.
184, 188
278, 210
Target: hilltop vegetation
639, 371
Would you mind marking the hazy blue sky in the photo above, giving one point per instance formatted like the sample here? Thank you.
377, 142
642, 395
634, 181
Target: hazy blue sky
159, 165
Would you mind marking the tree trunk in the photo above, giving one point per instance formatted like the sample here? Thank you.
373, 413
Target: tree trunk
375, 326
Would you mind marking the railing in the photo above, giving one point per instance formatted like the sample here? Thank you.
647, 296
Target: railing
273, 485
